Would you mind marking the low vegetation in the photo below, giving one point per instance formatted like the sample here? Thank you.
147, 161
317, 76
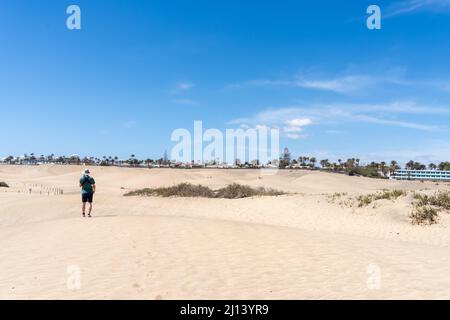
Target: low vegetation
426, 207
233, 191
180, 190
365, 200
368, 171
336, 195
423, 215
3, 185
236, 191
440, 200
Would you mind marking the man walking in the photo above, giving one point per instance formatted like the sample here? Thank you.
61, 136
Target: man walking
87, 184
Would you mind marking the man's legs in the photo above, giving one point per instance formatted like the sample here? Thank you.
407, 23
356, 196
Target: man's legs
84, 199
87, 198
90, 209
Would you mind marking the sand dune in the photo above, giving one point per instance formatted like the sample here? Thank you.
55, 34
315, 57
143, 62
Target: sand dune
300, 245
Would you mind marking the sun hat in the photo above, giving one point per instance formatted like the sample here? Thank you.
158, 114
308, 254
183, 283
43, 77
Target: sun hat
86, 171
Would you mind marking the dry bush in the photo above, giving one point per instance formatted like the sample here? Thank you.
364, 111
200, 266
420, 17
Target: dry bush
365, 200
181, 190
440, 200
426, 208
233, 191
423, 215
236, 191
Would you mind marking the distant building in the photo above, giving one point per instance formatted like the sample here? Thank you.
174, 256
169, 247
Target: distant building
435, 175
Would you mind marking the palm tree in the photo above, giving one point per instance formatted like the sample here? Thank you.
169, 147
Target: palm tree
419, 166
383, 167
324, 163
393, 167
410, 165
444, 166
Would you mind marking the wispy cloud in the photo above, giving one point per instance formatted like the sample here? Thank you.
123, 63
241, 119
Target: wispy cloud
349, 83
293, 120
346, 83
333, 131
260, 83
295, 136
129, 124
432, 151
395, 123
188, 102
412, 6
182, 87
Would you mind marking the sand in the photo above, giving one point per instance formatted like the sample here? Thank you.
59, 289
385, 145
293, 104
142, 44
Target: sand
297, 246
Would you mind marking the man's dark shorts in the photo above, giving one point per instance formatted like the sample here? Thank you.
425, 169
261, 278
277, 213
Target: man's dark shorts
87, 197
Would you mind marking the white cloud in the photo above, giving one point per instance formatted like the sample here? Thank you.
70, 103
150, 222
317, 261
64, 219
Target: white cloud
294, 126
299, 122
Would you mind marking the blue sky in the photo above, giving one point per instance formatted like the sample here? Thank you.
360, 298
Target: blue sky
137, 70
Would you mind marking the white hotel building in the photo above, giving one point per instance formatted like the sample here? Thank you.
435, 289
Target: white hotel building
435, 175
